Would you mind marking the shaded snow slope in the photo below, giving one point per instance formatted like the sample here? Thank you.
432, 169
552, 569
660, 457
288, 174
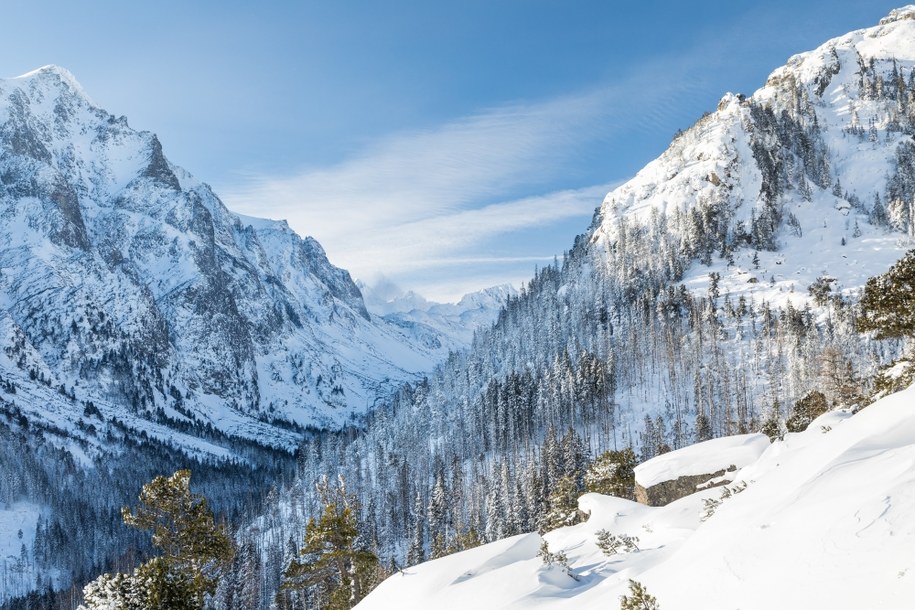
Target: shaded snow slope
824, 522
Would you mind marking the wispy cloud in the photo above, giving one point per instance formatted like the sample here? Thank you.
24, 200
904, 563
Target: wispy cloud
427, 199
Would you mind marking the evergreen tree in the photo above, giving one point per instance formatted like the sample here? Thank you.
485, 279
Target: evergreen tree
703, 427
805, 411
638, 598
888, 303
563, 505
417, 552
195, 552
438, 516
612, 474
772, 425
332, 557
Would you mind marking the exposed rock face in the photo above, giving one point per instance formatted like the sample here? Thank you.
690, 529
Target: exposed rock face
667, 491
677, 474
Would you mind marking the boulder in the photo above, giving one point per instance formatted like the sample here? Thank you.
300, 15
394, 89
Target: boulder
676, 474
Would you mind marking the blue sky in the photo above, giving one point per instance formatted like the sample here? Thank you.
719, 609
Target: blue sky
448, 146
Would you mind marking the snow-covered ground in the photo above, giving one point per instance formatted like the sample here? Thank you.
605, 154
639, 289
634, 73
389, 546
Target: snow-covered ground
702, 458
825, 521
17, 529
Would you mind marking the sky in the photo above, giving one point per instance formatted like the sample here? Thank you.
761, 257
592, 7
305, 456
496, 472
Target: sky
445, 146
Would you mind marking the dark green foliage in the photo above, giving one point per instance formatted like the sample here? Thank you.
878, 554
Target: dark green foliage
563, 505
806, 410
332, 557
638, 598
611, 544
183, 529
558, 559
703, 428
196, 551
771, 427
888, 303
612, 474
821, 289
895, 378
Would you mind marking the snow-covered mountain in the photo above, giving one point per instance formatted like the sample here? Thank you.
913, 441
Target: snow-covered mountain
452, 324
711, 294
126, 282
814, 175
819, 520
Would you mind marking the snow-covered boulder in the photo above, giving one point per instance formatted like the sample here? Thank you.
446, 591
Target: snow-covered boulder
676, 474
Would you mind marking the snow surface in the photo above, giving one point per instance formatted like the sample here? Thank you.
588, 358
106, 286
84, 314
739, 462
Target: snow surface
824, 522
702, 458
18, 519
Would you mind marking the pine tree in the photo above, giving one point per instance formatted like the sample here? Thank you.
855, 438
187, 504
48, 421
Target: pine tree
195, 552
638, 598
772, 426
438, 516
563, 505
805, 411
888, 303
703, 427
417, 551
612, 474
332, 556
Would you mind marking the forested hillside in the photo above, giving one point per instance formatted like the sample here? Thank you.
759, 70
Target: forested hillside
711, 293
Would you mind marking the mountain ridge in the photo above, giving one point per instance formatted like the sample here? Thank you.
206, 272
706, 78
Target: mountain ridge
213, 306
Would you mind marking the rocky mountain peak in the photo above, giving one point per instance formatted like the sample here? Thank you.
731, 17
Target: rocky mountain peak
54, 76
127, 278
899, 14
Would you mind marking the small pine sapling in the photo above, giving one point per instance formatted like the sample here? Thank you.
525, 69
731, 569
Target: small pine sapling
639, 598
611, 544
558, 558
710, 505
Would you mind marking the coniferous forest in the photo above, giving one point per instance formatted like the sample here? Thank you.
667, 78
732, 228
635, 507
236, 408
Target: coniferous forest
663, 325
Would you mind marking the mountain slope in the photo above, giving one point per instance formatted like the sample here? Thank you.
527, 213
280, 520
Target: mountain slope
145, 328
823, 523
125, 279
452, 324
712, 292
815, 168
